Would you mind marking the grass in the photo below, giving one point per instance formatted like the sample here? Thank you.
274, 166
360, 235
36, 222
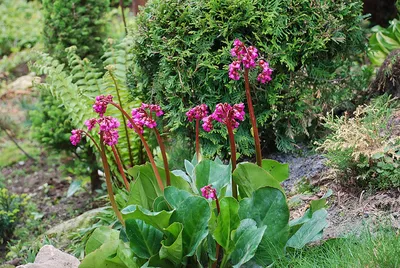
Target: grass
10, 154
378, 249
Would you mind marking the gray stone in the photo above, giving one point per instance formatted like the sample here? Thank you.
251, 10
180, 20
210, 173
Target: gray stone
50, 257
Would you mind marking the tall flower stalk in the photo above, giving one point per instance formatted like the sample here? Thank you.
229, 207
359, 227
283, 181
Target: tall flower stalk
100, 107
197, 113
246, 59
230, 117
76, 137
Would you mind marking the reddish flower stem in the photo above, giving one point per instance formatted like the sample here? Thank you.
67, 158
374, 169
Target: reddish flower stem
197, 140
252, 117
218, 246
164, 156
120, 168
145, 145
233, 157
108, 183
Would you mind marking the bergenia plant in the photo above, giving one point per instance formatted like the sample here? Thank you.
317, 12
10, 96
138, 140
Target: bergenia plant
197, 113
144, 116
230, 117
246, 59
211, 214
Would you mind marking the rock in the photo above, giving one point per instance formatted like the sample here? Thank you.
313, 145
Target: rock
22, 83
73, 224
50, 257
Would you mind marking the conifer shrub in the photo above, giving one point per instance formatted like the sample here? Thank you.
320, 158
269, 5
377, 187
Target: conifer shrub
75, 23
181, 53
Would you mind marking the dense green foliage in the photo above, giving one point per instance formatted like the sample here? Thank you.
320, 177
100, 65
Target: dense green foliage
365, 148
181, 57
383, 41
11, 209
15, 31
75, 23
77, 88
178, 228
51, 125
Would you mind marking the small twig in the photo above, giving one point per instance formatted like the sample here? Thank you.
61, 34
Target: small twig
16, 143
121, 4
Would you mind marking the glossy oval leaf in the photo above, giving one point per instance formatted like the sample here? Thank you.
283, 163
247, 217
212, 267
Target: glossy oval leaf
250, 177
267, 206
246, 239
160, 219
279, 171
172, 246
145, 240
194, 214
210, 172
227, 221
175, 196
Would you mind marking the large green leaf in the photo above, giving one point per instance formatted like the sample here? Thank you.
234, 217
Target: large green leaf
310, 230
194, 214
102, 244
250, 177
175, 196
172, 246
320, 203
279, 171
124, 256
227, 221
99, 237
145, 240
210, 172
160, 219
268, 207
145, 188
246, 238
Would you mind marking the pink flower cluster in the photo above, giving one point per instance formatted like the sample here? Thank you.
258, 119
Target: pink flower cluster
198, 112
247, 56
209, 192
108, 128
76, 136
265, 75
142, 118
100, 105
225, 114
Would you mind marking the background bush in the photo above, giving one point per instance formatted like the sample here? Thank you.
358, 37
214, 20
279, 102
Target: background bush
181, 57
75, 23
15, 31
11, 209
365, 149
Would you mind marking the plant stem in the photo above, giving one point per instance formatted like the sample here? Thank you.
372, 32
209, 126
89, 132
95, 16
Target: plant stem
252, 117
108, 183
121, 4
120, 168
197, 140
233, 157
164, 156
145, 145
218, 246
224, 260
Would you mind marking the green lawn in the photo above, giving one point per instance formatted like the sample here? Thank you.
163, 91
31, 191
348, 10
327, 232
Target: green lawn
380, 249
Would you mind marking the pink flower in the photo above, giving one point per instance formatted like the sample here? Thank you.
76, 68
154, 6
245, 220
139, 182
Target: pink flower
228, 115
207, 123
247, 57
76, 136
209, 192
265, 75
90, 123
108, 123
100, 105
198, 112
234, 68
110, 137
142, 118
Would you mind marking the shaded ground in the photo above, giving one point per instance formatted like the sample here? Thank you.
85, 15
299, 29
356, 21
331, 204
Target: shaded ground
349, 209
